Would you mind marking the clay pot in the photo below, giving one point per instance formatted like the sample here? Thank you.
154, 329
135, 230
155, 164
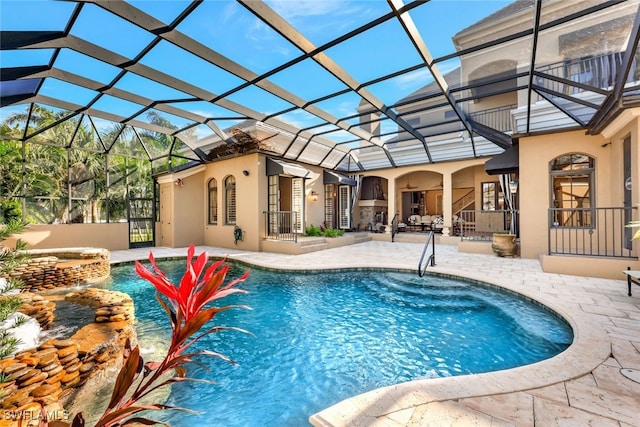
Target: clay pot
504, 245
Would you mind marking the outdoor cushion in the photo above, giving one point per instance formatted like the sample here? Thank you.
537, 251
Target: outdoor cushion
414, 219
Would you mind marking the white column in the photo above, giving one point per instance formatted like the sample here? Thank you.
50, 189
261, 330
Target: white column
447, 200
391, 203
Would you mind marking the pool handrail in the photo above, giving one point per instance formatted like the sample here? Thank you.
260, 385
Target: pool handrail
431, 260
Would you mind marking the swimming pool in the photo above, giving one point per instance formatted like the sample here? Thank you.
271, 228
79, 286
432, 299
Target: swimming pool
319, 338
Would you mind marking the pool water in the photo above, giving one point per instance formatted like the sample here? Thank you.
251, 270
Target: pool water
318, 338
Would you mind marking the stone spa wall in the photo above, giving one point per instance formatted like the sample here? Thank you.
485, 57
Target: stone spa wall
54, 268
49, 375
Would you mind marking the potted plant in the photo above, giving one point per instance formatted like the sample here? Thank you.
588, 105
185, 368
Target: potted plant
504, 244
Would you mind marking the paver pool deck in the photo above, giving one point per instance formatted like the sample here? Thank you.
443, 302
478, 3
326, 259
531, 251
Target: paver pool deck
595, 382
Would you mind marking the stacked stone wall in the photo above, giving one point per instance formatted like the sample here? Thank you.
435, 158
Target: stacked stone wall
49, 269
58, 367
37, 307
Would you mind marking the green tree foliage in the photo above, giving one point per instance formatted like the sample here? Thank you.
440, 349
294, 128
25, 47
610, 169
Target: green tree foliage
9, 260
68, 175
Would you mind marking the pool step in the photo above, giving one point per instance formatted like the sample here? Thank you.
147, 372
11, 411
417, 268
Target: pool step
313, 247
313, 244
410, 237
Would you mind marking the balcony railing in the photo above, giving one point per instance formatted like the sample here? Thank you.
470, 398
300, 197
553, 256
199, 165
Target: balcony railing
281, 225
592, 232
480, 225
598, 71
497, 118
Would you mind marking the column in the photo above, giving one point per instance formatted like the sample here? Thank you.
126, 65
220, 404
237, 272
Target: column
447, 200
391, 203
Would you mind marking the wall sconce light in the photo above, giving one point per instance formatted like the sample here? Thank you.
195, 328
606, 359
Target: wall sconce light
314, 196
513, 186
179, 182
245, 172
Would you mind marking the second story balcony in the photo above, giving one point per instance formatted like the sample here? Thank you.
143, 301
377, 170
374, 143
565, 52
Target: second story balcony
574, 76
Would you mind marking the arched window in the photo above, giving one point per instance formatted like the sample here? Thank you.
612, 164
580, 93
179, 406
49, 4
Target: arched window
213, 201
572, 189
230, 200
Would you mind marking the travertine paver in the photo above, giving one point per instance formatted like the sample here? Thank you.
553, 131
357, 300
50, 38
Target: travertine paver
582, 386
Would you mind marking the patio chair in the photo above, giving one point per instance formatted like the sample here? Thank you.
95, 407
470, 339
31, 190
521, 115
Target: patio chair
413, 222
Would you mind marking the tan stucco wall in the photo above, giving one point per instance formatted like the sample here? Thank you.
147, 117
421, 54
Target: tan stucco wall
535, 154
181, 208
607, 268
114, 236
188, 211
251, 201
186, 216
314, 212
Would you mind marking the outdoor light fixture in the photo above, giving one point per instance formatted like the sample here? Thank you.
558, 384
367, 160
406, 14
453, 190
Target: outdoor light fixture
513, 186
314, 196
179, 182
245, 172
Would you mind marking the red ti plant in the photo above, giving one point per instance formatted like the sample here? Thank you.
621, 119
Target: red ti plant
186, 305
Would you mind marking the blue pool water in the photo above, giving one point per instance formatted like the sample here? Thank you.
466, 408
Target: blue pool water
320, 338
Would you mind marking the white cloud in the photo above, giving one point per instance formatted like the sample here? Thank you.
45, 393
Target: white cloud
291, 9
415, 79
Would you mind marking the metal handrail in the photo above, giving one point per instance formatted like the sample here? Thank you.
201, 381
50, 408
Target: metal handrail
431, 260
591, 231
481, 224
394, 226
281, 225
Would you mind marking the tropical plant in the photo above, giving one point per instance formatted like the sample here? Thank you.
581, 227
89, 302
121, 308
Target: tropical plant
8, 344
332, 232
313, 231
188, 311
9, 260
65, 164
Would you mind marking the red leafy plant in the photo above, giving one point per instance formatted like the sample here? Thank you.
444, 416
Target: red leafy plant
186, 306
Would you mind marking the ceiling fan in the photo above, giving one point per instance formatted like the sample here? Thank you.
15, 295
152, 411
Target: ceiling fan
409, 186
439, 186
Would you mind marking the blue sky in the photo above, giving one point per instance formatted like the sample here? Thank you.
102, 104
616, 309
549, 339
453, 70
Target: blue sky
231, 30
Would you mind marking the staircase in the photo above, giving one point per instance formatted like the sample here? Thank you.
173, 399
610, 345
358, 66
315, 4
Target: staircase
411, 237
464, 202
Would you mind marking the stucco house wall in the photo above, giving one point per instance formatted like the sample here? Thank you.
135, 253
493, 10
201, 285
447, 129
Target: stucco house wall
535, 154
251, 201
112, 236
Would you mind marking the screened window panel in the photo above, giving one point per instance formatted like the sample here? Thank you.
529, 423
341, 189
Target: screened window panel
117, 179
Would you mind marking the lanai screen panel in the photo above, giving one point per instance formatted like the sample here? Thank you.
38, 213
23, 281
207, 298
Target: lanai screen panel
388, 79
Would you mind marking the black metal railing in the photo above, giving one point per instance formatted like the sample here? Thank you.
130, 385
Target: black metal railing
430, 260
394, 227
480, 225
591, 231
282, 225
497, 118
597, 71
